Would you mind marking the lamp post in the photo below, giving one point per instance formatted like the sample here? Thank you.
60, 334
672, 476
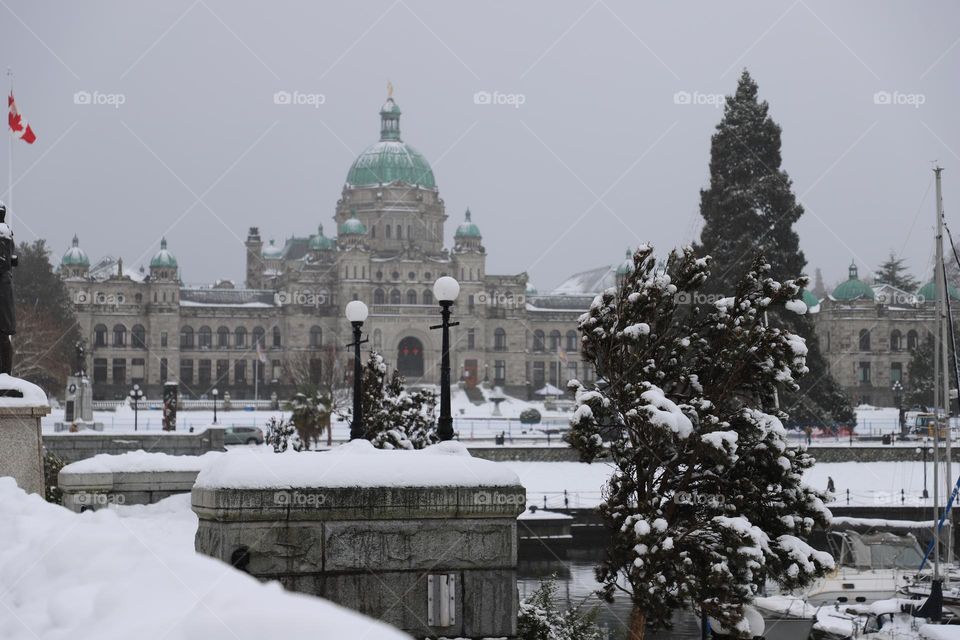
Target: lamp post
445, 290
897, 389
215, 393
357, 313
136, 395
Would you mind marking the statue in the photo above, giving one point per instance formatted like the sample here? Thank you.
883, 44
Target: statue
8, 320
79, 360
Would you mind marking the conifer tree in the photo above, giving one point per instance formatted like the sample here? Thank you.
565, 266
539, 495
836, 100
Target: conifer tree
705, 501
894, 273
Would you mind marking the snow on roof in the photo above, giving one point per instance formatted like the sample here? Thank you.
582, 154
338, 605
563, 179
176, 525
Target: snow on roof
587, 282
133, 461
32, 395
132, 572
356, 464
540, 514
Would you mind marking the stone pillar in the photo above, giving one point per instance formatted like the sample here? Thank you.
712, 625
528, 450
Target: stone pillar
22, 404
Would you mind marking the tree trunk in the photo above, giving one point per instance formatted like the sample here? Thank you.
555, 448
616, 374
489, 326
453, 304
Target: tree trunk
638, 624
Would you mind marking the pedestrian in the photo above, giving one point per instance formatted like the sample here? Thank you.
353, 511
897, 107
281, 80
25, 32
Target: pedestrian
831, 488
809, 431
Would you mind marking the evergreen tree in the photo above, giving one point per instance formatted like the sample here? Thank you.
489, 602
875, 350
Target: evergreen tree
894, 273
750, 208
282, 435
919, 389
394, 417
310, 414
818, 289
46, 328
705, 502
540, 619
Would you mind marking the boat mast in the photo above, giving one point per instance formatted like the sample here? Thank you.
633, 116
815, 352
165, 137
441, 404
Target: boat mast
943, 357
936, 388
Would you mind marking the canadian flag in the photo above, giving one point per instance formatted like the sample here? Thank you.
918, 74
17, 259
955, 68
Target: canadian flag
19, 126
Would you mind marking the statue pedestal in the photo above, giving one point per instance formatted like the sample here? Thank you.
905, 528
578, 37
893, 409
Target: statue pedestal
22, 404
423, 540
78, 406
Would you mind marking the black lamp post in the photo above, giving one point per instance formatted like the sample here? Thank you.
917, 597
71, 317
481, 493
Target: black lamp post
445, 290
356, 313
898, 400
136, 395
215, 393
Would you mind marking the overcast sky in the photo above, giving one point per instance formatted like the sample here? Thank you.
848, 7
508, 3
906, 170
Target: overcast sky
599, 156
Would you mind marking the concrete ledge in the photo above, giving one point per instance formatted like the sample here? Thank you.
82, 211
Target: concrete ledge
72, 447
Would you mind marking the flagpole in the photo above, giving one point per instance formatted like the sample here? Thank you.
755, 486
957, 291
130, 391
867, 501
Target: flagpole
9, 153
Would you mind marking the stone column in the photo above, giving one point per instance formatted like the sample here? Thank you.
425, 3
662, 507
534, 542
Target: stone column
22, 404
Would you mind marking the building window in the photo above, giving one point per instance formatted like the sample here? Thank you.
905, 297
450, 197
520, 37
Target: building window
377, 340
571, 340
100, 369
139, 336
240, 338
499, 339
471, 339
896, 372
223, 338
896, 340
119, 335
412, 275
395, 296
589, 374
539, 375
538, 340
554, 341
379, 297
259, 337
204, 370
223, 371
912, 340
571, 371
163, 339
186, 371
137, 370
427, 297
119, 371
186, 338
316, 370
316, 337
863, 373
388, 230
240, 372
205, 338
411, 297
276, 337
864, 340
499, 371
276, 370
163, 370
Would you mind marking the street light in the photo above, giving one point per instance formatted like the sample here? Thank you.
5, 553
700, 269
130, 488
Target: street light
136, 395
445, 290
356, 313
897, 389
215, 393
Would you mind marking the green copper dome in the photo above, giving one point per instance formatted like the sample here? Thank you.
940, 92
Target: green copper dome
75, 256
927, 292
353, 227
853, 288
810, 300
390, 159
321, 242
627, 265
163, 259
467, 229
272, 251
531, 290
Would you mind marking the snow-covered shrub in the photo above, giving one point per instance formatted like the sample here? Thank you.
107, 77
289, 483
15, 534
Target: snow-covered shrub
52, 463
705, 502
540, 619
282, 435
310, 414
530, 416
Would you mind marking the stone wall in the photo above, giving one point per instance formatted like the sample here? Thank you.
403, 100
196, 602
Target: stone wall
72, 447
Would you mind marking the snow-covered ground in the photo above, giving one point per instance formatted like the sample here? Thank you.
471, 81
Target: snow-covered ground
132, 572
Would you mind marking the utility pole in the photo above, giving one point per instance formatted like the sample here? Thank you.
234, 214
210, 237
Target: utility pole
943, 356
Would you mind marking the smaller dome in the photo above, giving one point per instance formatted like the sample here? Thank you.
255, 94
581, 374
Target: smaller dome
810, 300
272, 251
75, 256
854, 288
928, 292
321, 242
163, 259
626, 266
353, 227
467, 229
531, 290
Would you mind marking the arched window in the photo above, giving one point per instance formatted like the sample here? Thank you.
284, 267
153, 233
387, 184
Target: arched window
864, 340
554, 341
186, 338
896, 340
571, 340
100, 336
316, 336
259, 335
395, 296
276, 337
499, 339
388, 231
399, 232
538, 340
223, 337
240, 337
379, 297
411, 297
119, 335
912, 340
205, 337
139, 336
138, 298
427, 296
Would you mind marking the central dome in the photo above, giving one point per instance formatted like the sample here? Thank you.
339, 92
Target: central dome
390, 160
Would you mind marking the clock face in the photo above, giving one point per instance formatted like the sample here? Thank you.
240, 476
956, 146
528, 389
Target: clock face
72, 388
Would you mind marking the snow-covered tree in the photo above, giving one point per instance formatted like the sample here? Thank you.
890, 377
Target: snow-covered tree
705, 501
311, 415
541, 619
282, 435
395, 417
894, 273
